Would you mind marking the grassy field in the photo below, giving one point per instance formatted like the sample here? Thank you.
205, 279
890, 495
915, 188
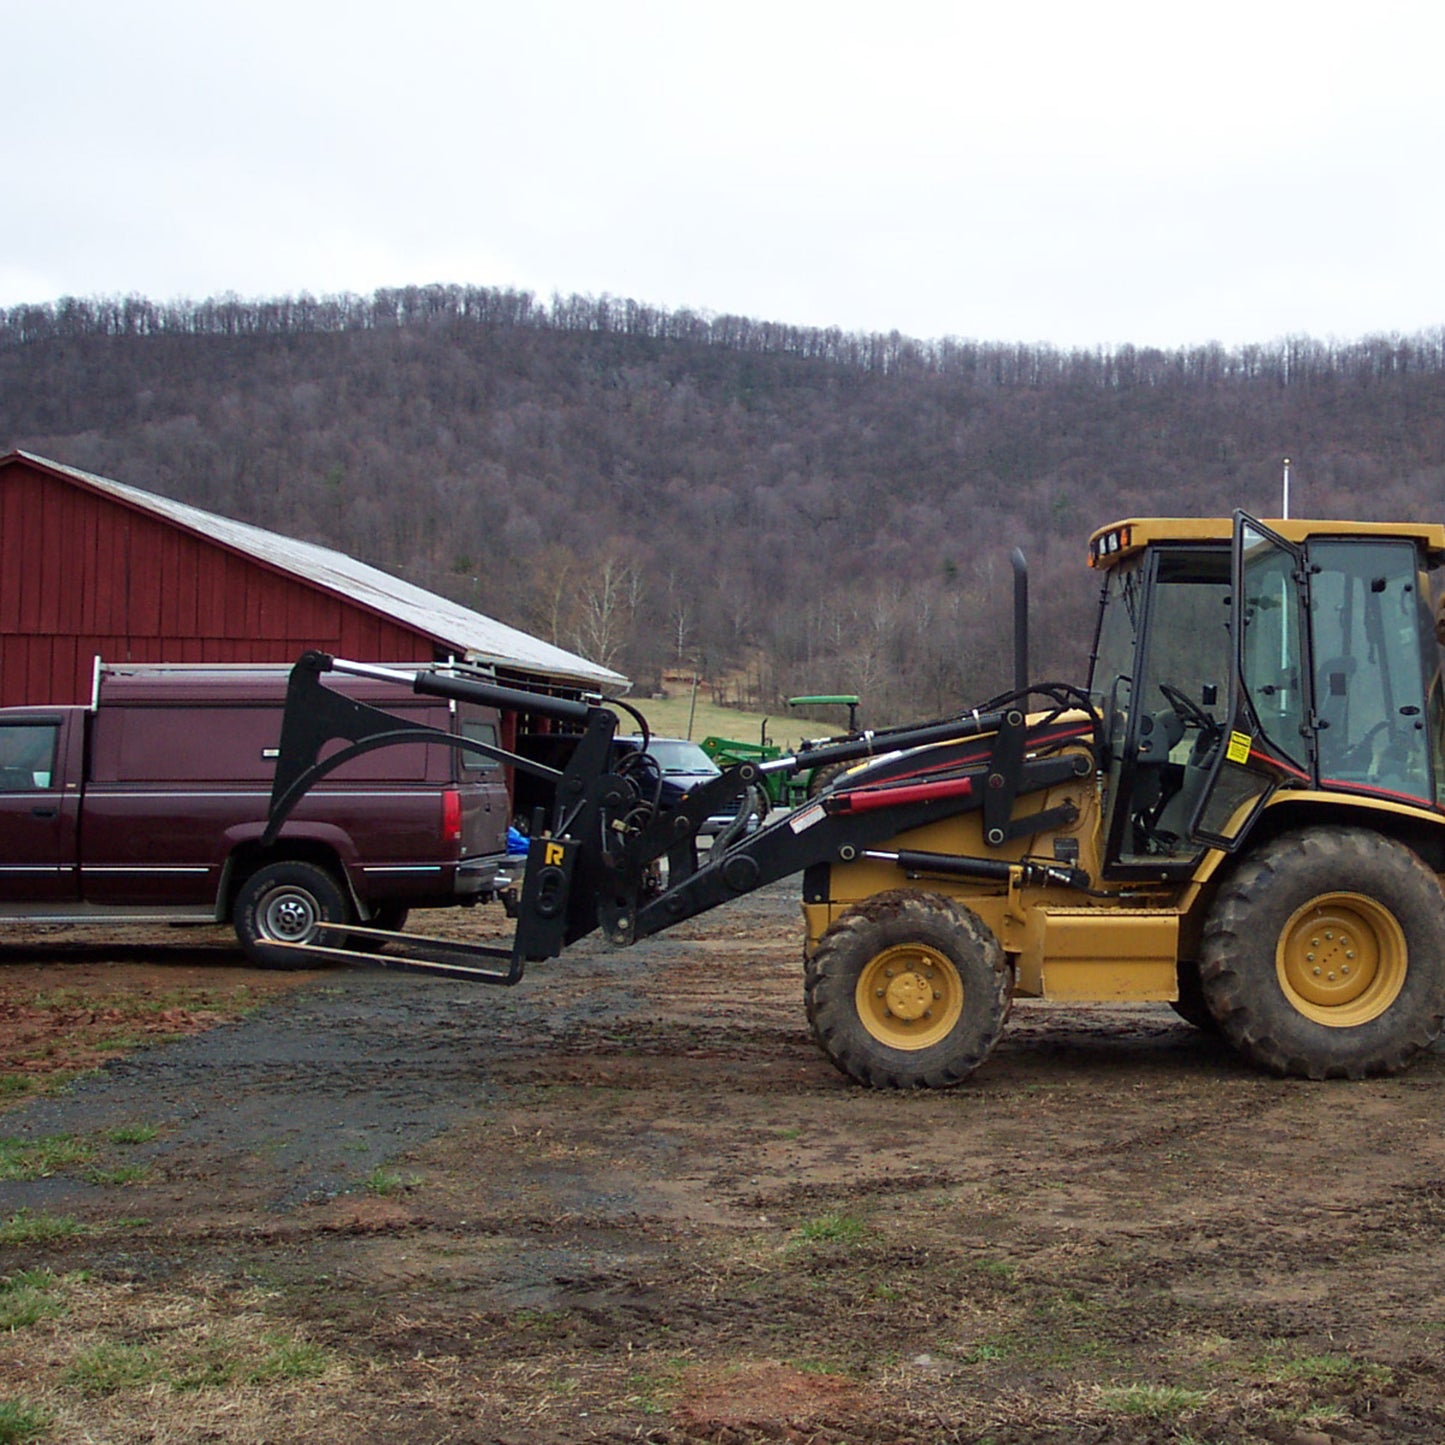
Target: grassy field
669, 717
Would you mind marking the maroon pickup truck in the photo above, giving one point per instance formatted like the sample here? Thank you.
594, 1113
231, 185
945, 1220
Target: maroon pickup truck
149, 805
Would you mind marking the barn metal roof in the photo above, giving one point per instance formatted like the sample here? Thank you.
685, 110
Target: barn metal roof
471, 635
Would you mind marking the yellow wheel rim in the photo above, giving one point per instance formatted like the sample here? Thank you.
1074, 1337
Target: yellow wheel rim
1342, 959
909, 996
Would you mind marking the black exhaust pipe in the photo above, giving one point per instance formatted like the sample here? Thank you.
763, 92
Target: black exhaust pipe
1021, 620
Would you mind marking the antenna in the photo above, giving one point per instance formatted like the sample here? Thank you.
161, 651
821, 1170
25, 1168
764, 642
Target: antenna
1285, 513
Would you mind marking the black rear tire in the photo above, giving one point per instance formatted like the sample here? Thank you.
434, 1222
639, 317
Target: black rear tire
824, 777
1324, 955
908, 990
390, 916
288, 902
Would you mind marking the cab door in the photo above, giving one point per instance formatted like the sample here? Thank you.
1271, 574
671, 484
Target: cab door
1160, 676
1269, 739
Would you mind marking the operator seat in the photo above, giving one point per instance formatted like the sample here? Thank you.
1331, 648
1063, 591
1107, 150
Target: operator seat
1332, 708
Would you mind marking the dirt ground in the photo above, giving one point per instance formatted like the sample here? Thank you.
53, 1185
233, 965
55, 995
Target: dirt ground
630, 1200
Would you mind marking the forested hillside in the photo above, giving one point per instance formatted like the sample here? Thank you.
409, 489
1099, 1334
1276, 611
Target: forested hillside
809, 510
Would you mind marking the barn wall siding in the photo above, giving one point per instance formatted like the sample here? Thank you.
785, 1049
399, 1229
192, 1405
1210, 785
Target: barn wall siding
82, 575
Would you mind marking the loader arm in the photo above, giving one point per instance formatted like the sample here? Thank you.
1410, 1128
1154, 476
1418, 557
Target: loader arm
593, 861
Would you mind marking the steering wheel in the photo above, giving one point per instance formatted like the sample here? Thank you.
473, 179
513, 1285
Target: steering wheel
1187, 709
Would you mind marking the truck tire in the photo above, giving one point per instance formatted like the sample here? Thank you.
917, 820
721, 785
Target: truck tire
390, 916
286, 902
1324, 956
908, 990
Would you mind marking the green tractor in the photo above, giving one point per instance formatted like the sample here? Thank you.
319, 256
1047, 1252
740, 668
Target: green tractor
786, 791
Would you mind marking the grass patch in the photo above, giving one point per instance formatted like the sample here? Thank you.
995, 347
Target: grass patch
144, 1005
668, 717
211, 1364
655, 1391
986, 1352
831, 1368
288, 1359
16, 1086
22, 1422
545, 1324
41, 1158
122, 1174
1340, 1371
107, 1368
24, 1227
1004, 1269
1153, 1402
132, 1133
383, 1181
119, 1043
28, 1297
832, 1228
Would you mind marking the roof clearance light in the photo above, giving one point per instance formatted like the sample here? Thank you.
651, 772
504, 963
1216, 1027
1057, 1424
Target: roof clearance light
1109, 544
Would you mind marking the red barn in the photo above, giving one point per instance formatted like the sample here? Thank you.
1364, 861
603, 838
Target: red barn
90, 568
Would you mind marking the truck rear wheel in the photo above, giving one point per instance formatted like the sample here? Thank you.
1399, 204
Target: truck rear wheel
1324, 956
287, 903
908, 990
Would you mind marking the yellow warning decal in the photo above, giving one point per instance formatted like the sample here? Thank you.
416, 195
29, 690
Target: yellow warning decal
1238, 750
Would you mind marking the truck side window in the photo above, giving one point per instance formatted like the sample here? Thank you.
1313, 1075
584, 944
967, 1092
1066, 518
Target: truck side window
480, 732
27, 756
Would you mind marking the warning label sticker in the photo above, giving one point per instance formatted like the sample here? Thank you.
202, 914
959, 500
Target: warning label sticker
1238, 750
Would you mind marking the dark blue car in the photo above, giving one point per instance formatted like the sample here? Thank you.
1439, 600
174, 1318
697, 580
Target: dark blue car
683, 766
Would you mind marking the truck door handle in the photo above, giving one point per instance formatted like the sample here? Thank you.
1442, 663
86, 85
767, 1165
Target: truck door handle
42, 812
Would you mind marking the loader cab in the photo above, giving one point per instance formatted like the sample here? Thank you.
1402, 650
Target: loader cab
1325, 677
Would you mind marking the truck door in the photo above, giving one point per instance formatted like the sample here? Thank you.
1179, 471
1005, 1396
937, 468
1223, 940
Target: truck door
37, 810
1269, 739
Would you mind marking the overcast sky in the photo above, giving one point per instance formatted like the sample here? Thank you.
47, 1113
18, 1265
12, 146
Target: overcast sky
1022, 170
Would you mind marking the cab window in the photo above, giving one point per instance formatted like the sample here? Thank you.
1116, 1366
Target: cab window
1367, 616
27, 757
479, 732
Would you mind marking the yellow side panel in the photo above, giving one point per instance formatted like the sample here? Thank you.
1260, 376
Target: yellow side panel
1099, 955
